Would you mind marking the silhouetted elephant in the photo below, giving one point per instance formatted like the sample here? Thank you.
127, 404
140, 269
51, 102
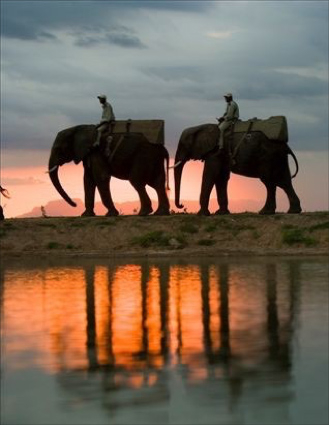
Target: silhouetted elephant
256, 156
134, 159
5, 193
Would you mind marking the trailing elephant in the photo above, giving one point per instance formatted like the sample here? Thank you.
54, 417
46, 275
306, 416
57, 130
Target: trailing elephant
5, 193
251, 156
133, 158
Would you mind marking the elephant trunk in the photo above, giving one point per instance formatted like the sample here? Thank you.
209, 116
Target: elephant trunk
53, 174
178, 177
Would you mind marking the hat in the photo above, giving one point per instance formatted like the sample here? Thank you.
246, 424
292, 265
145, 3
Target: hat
228, 95
101, 96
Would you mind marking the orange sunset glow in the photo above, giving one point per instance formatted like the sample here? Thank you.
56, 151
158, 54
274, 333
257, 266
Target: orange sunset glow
30, 188
133, 315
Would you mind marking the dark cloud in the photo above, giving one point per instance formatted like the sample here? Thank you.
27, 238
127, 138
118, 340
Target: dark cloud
39, 19
122, 38
169, 66
271, 84
23, 31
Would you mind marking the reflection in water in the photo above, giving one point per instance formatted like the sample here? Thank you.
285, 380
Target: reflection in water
152, 331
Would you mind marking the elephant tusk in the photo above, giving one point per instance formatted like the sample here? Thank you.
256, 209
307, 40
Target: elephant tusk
176, 165
52, 169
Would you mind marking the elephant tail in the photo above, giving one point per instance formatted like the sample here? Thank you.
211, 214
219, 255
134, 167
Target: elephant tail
296, 162
167, 170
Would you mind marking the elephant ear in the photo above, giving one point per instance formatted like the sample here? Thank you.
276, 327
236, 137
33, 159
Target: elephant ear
202, 139
83, 140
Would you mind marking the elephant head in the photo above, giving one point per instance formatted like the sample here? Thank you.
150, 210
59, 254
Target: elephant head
71, 144
195, 143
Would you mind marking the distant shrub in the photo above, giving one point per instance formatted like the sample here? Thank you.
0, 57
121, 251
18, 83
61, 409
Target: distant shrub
296, 236
320, 226
52, 225
206, 242
189, 228
103, 223
53, 245
155, 238
210, 227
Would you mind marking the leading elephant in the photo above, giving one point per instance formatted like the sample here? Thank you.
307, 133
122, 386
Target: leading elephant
133, 158
253, 156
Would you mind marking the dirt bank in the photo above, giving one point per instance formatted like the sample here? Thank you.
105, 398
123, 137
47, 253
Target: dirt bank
176, 235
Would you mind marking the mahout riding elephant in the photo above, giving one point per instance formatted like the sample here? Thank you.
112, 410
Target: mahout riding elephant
253, 156
132, 158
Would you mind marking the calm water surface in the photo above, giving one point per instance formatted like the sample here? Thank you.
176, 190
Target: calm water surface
227, 341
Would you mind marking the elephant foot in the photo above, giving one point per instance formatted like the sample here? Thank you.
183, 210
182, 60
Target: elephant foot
203, 212
264, 211
222, 212
88, 214
145, 211
296, 210
112, 213
162, 211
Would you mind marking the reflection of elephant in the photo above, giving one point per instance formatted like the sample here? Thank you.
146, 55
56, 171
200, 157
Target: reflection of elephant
134, 159
256, 156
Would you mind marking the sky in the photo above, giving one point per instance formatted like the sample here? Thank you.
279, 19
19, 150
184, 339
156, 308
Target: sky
170, 60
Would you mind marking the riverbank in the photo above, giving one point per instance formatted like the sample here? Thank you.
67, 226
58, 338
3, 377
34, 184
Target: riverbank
175, 235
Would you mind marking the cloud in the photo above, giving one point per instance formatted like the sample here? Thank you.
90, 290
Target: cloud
22, 31
30, 181
40, 20
222, 35
167, 60
122, 37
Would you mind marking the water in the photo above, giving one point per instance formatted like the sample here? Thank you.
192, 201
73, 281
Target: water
227, 341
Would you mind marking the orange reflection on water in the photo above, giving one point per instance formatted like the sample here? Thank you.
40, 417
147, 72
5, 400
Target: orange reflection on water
127, 313
153, 321
214, 299
187, 280
44, 316
135, 316
103, 314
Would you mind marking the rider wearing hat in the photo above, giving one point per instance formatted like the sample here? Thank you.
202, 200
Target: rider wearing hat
230, 116
106, 119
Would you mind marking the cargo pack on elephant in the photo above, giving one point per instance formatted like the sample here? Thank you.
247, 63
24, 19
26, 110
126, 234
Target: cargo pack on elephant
133, 158
256, 148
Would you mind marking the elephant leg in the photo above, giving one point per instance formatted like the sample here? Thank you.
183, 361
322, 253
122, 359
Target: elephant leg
221, 190
163, 202
208, 182
105, 194
294, 202
89, 188
146, 204
270, 204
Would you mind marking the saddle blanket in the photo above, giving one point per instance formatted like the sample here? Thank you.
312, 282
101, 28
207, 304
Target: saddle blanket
153, 130
274, 128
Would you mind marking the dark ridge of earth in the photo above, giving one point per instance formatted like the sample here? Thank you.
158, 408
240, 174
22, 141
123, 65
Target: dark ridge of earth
173, 236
